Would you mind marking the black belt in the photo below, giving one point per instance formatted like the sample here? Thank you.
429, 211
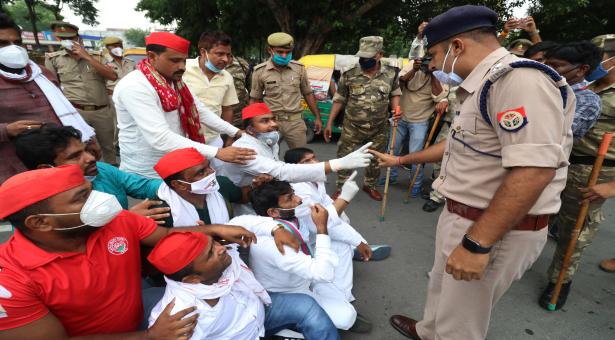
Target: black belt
589, 160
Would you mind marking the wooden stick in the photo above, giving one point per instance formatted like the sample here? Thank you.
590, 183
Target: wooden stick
593, 178
388, 177
425, 146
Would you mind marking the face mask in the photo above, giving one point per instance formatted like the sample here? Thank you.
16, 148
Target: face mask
67, 44
117, 51
448, 78
270, 138
13, 56
599, 72
278, 59
211, 66
205, 185
90, 178
367, 63
99, 209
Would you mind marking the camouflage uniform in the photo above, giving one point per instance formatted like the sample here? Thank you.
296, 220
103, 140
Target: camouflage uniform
578, 174
367, 103
239, 69
453, 107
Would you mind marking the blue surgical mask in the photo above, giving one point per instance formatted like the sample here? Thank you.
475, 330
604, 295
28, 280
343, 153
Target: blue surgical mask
278, 59
211, 66
450, 78
599, 72
270, 138
90, 178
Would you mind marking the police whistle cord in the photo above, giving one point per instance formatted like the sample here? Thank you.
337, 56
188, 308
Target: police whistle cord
419, 167
383, 205
593, 178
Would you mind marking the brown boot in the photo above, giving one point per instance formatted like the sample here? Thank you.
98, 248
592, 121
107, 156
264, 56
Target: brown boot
608, 265
373, 193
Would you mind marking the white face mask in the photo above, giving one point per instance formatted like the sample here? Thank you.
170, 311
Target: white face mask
14, 56
450, 78
205, 185
67, 44
99, 209
270, 138
117, 51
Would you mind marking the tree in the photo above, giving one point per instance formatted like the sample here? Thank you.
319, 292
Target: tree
136, 36
19, 12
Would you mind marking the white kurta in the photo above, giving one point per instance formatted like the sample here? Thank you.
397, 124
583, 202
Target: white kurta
146, 132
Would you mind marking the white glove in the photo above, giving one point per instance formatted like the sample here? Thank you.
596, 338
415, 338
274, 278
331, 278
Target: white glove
356, 159
350, 188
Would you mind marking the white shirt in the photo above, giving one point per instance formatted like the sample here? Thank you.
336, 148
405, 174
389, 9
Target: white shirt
146, 132
292, 272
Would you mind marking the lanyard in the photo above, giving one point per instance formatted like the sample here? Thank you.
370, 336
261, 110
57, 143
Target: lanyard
305, 248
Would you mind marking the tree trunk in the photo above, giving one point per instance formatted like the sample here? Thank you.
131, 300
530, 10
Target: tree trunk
32, 13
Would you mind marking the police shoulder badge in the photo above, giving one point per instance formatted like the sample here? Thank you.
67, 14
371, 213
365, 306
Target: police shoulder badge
512, 120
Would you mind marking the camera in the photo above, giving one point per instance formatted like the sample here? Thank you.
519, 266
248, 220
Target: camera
425, 64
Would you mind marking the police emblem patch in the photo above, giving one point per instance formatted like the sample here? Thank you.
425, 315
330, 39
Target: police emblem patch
118, 245
512, 120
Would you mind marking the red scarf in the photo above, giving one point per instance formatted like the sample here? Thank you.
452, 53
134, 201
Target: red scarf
171, 99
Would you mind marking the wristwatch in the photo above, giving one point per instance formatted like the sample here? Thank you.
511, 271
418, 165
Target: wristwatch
274, 229
473, 246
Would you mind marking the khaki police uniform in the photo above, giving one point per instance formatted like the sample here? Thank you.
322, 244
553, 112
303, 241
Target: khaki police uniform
85, 88
239, 69
476, 161
282, 88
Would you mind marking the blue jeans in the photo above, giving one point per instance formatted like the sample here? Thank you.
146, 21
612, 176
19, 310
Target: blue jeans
299, 312
417, 133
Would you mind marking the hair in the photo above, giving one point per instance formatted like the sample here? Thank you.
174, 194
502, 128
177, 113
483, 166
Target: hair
247, 122
295, 155
158, 49
579, 52
209, 40
267, 195
6, 22
173, 177
41, 146
180, 274
539, 47
18, 219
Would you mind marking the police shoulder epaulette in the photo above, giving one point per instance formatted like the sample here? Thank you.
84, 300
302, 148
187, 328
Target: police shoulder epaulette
297, 63
260, 66
55, 54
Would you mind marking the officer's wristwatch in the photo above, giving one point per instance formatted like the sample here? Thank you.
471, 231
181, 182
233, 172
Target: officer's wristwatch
473, 246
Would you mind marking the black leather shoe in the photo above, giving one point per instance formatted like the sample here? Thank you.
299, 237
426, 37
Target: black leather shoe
404, 325
545, 298
431, 206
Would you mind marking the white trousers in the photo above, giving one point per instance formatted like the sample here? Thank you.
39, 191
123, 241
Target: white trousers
334, 302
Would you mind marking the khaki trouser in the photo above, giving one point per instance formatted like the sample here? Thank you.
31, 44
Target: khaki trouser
292, 129
102, 122
459, 309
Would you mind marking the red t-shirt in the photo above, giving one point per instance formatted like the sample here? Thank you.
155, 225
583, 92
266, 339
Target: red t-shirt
95, 292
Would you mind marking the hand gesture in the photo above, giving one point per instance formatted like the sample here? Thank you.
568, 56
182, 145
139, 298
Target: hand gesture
416, 64
79, 51
15, 128
464, 265
599, 191
511, 24
421, 29
236, 234
359, 158
320, 216
173, 327
144, 208
350, 188
441, 107
237, 155
260, 180
384, 160
283, 237
528, 25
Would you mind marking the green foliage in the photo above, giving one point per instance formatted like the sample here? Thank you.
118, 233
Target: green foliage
136, 36
19, 12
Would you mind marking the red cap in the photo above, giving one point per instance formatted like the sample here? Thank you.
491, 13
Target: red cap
178, 160
27, 188
177, 250
254, 110
169, 40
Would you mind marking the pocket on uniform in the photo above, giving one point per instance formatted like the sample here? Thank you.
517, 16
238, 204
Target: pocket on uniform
384, 90
357, 90
272, 89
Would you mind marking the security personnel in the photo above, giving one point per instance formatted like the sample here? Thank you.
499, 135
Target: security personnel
283, 82
519, 46
504, 166
581, 163
367, 90
240, 70
82, 76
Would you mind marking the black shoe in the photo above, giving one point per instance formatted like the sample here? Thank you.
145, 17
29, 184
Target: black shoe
545, 298
426, 195
431, 206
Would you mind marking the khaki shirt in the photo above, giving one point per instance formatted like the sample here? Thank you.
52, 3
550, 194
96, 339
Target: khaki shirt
590, 143
283, 86
79, 80
367, 99
472, 178
417, 101
214, 93
121, 69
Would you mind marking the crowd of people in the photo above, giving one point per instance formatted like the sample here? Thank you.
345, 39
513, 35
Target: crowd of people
228, 240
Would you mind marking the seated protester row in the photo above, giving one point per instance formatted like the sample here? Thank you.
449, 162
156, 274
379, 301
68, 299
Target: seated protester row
310, 271
72, 267
52, 146
262, 136
229, 302
194, 191
346, 242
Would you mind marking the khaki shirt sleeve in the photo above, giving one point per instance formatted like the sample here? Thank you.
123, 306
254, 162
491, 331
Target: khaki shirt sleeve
540, 142
257, 89
305, 83
51, 67
341, 95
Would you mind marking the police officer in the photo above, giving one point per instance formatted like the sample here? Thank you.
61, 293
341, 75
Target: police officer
368, 90
240, 70
504, 166
283, 82
82, 76
583, 153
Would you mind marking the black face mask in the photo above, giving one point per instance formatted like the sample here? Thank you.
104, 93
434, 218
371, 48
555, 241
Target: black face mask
367, 63
286, 214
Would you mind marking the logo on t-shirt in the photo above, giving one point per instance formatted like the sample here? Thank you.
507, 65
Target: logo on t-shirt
118, 245
5, 293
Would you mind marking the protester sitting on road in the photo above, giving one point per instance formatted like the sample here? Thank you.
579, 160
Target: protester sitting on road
53, 146
537, 51
229, 303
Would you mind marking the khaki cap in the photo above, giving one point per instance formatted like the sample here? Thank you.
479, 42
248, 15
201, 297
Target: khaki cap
63, 29
519, 46
110, 40
280, 39
605, 42
369, 46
